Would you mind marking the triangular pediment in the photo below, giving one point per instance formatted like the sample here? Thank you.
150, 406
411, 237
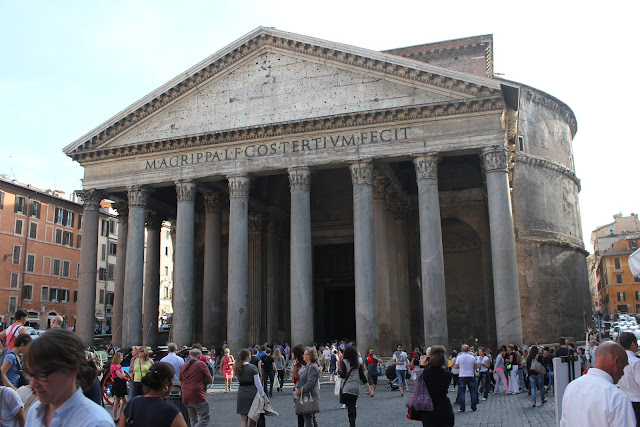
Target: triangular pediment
272, 77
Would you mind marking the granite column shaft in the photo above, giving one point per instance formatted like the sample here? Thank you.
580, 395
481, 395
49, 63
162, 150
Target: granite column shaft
364, 256
88, 267
212, 286
506, 293
121, 257
151, 300
238, 287
301, 275
132, 311
434, 302
183, 307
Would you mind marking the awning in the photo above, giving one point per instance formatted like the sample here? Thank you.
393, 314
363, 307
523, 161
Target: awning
634, 263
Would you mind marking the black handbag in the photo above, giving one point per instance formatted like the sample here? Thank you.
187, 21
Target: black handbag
307, 405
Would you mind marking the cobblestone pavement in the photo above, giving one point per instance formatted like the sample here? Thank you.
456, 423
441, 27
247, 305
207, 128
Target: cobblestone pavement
386, 408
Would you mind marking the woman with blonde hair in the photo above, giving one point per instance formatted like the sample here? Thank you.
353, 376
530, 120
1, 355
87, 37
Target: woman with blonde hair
140, 368
308, 382
119, 387
278, 359
250, 384
226, 366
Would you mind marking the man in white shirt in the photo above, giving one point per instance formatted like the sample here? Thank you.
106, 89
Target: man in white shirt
174, 360
630, 381
593, 399
467, 365
401, 363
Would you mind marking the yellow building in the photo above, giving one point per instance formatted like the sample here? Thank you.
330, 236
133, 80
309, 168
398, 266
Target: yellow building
616, 289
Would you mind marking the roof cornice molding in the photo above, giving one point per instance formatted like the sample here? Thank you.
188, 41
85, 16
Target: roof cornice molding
442, 79
320, 124
550, 165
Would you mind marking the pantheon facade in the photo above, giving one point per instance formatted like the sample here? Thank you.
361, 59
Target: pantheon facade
319, 190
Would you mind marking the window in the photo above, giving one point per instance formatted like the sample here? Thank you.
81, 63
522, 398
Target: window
618, 278
34, 209
612, 230
58, 236
636, 278
79, 241
102, 273
104, 227
633, 244
103, 252
66, 268
13, 301
616, 263
80, 217
31, 263
101, 297
63, 295
44, 293
33, 230
166, 292
638, 295
15, 260
111, 271
521, 143
53, 294
1, 200
15, 278
18, 227
56, 267
112, 248
621, 296
166, 250
75, 296
109, 298
77, 270
58, 216
69, 219
112, 227
166, 270
20, 205
67, 238
27, 291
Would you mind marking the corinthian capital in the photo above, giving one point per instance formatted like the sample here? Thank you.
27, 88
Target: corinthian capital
300, 179
362, 172
153, 220
426, 166
91, 198
212, 203
495, 158
239, 185
138, 195
256, 223
185, 191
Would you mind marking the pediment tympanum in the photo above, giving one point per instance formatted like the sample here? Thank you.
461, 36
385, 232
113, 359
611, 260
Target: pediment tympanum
269, 79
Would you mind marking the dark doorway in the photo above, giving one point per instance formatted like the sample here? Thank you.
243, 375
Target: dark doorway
335, 301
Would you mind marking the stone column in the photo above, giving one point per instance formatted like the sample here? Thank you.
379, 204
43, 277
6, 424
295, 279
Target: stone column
400, 212
300, 243
151, 300
395, 306
364, 256
256, 297
132, 311
85, 325
183, 308
506, 293
121, 256
273, 283
434, 301
238, 287
382, 266
212, 281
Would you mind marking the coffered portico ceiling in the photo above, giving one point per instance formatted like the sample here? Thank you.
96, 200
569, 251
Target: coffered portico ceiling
271, 83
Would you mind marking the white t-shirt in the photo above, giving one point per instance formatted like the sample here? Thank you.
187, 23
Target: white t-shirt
482, 362
466, 363
400, 357
326, 353
11, 404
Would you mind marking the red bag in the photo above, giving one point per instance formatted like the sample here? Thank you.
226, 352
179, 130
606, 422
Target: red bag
414, 415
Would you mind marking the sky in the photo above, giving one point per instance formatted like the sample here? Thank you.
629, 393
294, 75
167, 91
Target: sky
66, 67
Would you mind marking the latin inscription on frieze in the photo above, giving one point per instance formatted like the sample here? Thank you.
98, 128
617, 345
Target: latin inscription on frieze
280, 148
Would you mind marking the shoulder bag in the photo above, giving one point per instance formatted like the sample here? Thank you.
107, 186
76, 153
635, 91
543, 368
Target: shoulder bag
344, 381
419, 399
537, 367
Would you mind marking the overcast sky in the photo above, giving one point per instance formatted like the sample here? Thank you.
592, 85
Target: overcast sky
68, 66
